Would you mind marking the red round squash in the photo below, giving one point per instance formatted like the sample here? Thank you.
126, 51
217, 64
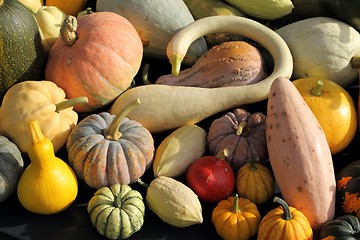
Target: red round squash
97, 56
211, 177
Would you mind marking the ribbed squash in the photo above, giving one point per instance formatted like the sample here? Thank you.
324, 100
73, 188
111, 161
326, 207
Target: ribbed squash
348, 188
343, 227
97, 56
284, 223
117, 211
22, 55
11, 167
255, 182
105, 149
243, 133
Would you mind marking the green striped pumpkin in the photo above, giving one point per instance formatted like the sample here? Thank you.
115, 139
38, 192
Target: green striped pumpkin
22, 56
117, 211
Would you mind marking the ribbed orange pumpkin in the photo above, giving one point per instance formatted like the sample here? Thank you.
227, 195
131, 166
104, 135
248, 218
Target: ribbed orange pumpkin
284, 223
105, 149
97, 56
255, 182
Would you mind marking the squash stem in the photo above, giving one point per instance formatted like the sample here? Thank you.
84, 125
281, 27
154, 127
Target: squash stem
242, 128
143, 184
222, 154
287, 214
70, 103
145, 74
317, 89
175, 64
35, 132
235, 207
68, 30
355, 61
112, 132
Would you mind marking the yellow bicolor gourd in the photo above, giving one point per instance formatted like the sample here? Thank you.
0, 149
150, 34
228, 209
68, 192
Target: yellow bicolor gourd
48, 185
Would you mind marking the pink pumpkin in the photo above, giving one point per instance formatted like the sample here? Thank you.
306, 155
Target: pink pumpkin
96, 56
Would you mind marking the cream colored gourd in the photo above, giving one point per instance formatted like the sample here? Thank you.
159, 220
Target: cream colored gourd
325, 48
169, 107
156, 21
49, 19
303, 169
178, 150
269, 10
174, 202
48, 185
33, 5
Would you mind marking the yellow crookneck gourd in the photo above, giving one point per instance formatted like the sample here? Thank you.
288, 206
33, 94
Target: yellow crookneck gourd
48, 185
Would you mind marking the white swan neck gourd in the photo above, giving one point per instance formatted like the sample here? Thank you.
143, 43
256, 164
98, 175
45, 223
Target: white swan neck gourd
168, 107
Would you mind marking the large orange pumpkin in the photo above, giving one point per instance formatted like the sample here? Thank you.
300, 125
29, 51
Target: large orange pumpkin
96, 56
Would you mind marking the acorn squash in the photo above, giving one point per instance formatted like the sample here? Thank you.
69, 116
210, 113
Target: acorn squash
22, 55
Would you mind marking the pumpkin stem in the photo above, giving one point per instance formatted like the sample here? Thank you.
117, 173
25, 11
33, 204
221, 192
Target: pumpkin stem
145, 74
355, 61
112, 132
68, 30
70, 103
317, 89
143, 184
235, 207
242, 128
223, 154
287, 214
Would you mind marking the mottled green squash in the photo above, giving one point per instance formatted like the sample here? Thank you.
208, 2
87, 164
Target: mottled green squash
22, 55
11, 167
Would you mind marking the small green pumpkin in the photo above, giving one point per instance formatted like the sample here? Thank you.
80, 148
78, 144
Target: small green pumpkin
11, 167
117, 211
343, 227
22, 56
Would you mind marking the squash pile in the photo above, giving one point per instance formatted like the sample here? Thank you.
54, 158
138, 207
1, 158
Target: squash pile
247, 112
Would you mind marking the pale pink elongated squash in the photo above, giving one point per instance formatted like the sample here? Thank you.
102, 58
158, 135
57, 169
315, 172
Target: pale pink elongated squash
299, 154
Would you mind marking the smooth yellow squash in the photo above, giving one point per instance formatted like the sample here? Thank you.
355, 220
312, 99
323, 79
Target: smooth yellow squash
48, 185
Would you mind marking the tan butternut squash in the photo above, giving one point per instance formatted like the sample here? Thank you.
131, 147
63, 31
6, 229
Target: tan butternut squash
167, 107
303, 169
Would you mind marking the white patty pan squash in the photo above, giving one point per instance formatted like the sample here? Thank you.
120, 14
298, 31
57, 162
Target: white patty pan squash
323, 47
49, 20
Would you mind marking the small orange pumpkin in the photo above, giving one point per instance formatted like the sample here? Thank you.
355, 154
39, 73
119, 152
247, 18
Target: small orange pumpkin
70, 7
236, 218
255, 182
97, 56
284, 223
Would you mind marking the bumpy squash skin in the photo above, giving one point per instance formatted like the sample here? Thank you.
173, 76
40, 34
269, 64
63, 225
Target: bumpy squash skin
19, 59
102, 162
234, 63
299, 154
11, 167
117, 211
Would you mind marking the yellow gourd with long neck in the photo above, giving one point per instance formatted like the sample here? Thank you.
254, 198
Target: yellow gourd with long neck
48, 185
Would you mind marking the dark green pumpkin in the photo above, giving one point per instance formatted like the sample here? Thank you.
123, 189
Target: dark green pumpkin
117, 211
22, 55
348, 189
345, 227
11, 167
